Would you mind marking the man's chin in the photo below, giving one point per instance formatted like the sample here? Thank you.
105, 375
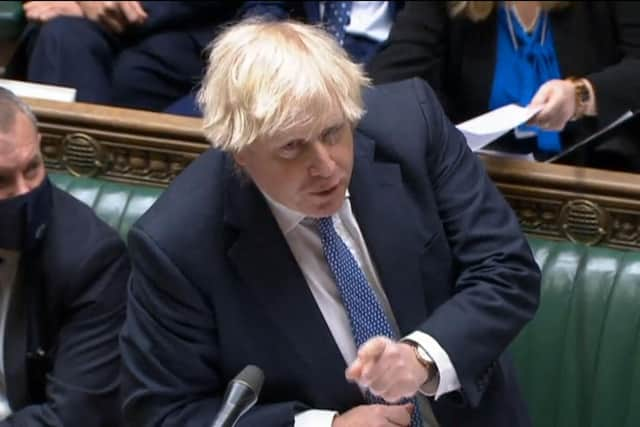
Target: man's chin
326, 208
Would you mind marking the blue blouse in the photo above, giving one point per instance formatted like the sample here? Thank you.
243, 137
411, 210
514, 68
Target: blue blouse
523, 63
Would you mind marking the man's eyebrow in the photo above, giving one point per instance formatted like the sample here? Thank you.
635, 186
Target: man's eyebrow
334, 126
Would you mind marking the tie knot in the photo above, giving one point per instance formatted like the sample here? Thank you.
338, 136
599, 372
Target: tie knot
325, 226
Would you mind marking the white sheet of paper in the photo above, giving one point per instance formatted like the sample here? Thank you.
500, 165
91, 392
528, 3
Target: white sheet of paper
490, 126
41, 91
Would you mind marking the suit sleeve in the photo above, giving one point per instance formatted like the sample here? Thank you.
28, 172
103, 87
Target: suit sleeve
164, 15
169, 350
617, 87
83, 386
497, 287
416, 47
276, 10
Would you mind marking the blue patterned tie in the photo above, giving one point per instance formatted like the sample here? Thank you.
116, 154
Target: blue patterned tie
365, 313
336, 17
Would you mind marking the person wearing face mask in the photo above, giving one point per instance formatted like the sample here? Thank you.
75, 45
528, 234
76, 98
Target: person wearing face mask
63, 275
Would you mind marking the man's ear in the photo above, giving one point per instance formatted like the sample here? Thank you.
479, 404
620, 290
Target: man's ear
240, 158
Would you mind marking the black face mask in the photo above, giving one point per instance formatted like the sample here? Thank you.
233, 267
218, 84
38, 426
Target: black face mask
24, 219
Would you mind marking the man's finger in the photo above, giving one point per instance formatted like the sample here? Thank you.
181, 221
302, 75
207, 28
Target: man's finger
133, 12
354, 371
136, 5
399, 414
112, 24
371, 350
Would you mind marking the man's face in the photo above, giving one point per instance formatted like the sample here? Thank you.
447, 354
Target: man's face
21, 165
307, 171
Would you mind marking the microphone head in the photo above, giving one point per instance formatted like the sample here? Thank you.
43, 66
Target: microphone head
252, 377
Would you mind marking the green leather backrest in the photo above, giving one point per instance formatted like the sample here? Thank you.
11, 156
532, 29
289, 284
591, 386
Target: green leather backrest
119, 205
11, 19
579, 359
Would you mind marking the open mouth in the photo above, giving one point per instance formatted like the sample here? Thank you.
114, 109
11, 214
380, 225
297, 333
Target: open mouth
327, 191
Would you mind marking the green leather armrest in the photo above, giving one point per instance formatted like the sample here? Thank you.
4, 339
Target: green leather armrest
11, 19
120, 205
579, 359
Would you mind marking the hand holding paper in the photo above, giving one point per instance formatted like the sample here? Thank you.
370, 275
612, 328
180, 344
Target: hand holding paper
490, 126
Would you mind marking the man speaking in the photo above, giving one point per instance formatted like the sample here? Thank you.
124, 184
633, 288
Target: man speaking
355, 250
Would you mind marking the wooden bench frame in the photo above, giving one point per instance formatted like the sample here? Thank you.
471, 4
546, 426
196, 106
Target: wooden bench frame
591, 206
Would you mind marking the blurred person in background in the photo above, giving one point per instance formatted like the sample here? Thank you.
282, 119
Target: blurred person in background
63, 275
359, 26
137, 54
578, 61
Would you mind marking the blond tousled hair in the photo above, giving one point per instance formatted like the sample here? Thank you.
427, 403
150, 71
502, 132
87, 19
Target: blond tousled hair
480, 10
266, 77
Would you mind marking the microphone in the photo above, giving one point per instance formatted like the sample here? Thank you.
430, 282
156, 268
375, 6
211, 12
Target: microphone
241, 394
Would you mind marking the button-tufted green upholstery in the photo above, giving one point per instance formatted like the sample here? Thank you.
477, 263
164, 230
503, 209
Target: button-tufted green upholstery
119, 205
11, 19
578, 360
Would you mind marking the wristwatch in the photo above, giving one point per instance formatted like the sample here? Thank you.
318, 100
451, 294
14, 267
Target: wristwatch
583, 97
425, 360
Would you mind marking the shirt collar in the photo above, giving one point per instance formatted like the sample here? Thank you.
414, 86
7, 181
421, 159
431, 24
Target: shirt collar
287, 218
9, 256
8, 262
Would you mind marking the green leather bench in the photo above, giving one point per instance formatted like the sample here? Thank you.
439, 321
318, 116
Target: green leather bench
12, 20
119, 205
578, 360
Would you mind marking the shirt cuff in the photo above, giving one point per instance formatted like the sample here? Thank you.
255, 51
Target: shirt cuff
315, 418
448, 377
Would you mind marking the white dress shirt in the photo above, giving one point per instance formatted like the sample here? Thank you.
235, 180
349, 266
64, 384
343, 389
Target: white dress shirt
370, 19
306, 246
8, 269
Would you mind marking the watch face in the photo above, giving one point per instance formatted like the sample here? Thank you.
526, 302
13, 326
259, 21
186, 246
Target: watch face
582, 92
423, 354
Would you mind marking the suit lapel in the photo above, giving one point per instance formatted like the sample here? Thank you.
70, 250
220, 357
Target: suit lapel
15, 345
564, 31
384, 214
265, 263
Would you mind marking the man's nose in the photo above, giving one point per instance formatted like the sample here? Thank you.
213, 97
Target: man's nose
322, 163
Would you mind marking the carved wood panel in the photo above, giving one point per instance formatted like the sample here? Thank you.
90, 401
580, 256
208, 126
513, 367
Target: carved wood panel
552, 201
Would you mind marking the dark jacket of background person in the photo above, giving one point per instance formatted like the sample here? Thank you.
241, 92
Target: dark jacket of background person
596, 40
207, 299
62, 362
148, 66
361, 49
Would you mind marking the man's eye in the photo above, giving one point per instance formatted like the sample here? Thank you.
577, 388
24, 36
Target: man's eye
331, 134
290, 149
32, 170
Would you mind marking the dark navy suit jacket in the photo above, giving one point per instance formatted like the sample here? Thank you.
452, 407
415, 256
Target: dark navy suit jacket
61, 358
215, 286
360, 48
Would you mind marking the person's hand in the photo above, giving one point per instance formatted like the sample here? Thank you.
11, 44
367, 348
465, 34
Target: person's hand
133, 12
388, 369
557, 100
375, 416
43, 11
114, 16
